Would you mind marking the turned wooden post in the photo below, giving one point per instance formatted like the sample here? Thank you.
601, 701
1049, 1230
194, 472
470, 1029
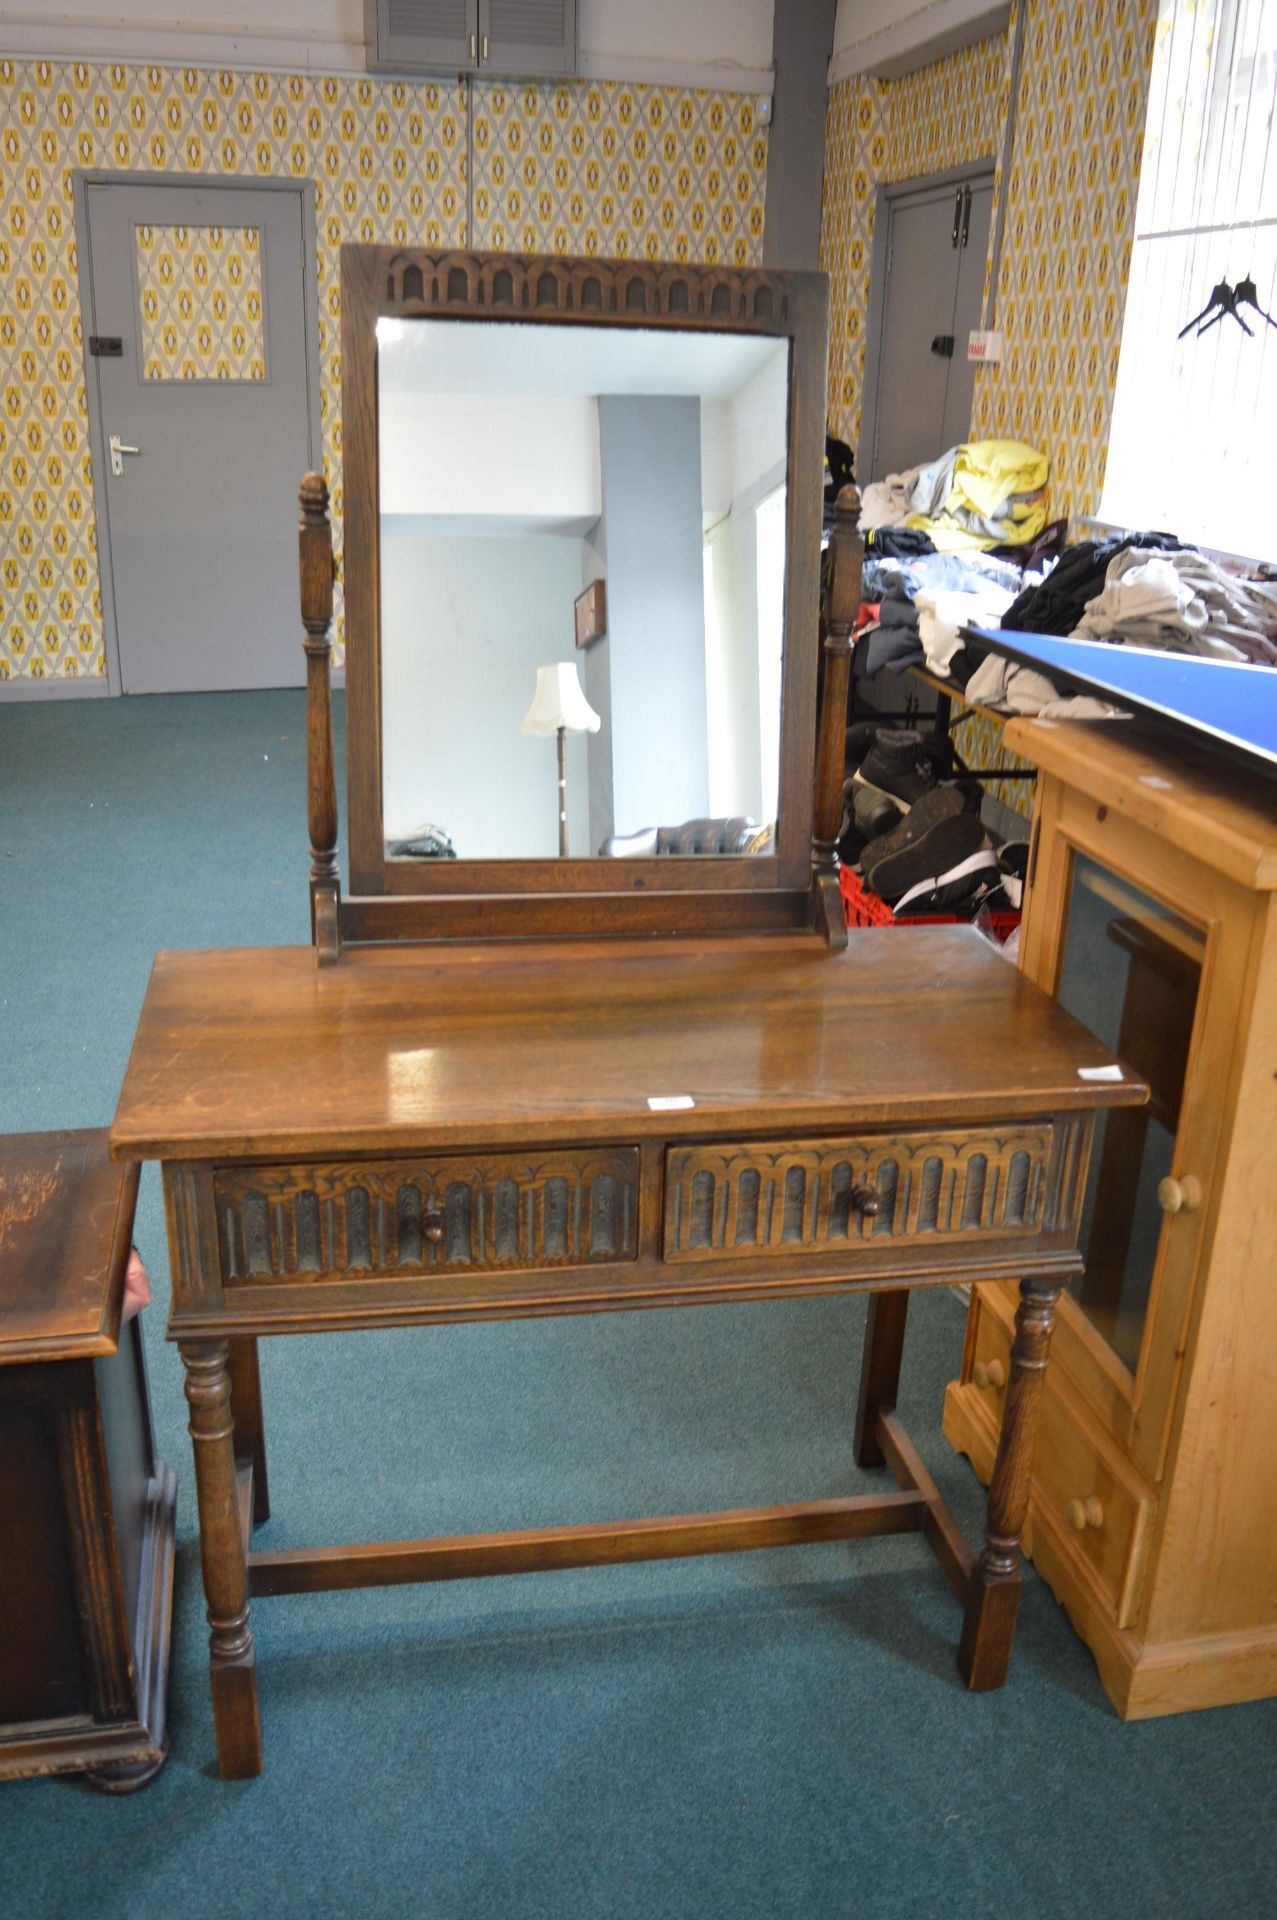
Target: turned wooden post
315, 545
993, 1599
846, 559
231, 1665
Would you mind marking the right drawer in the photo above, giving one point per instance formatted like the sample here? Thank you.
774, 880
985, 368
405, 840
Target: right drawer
778, 1199
1083, 1491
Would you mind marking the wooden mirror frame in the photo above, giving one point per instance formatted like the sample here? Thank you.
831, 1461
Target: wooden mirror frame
469, 899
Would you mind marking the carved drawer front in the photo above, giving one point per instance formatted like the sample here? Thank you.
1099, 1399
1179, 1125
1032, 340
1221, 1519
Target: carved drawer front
446, 1214
780, 1197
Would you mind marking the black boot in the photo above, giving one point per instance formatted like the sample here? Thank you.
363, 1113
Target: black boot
895, 766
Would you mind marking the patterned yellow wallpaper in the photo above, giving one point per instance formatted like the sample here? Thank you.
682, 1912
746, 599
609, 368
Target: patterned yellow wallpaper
621, 170
389, 162
200, 303
1066, 250
948, 113
876, 132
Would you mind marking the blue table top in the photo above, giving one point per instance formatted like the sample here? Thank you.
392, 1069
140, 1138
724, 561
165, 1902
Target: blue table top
1230, 706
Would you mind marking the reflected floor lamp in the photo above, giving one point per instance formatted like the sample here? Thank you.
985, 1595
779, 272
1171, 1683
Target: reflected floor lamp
559, 707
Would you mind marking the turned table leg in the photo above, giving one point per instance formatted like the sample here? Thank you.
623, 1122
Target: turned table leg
232, 1672
246, 1413
993, 1599
880, 1369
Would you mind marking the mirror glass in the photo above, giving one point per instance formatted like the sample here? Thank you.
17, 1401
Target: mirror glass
582, 578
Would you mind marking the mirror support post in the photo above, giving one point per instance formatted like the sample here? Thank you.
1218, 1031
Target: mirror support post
846, 558
315, 546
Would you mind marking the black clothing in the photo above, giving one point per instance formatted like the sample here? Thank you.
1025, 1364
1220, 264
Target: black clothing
1058, 602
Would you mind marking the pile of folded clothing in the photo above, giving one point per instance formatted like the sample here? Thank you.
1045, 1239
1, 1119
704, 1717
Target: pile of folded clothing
1140, 590
1182, 602
1008, 686
1057, 603
913, 609
983, 494
916, 839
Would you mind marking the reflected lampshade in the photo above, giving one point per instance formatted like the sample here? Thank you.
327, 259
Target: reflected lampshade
559, 702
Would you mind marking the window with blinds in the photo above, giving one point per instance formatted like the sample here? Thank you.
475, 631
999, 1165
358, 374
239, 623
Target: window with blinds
1193, 441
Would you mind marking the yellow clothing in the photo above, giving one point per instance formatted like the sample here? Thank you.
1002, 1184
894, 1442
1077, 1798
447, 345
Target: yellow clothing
990, 471
996, 497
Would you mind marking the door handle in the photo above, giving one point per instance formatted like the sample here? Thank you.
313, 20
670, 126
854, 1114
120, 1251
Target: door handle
118, 451
957, 217
966, 215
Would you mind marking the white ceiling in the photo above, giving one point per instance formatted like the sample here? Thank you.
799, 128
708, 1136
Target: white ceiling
891, 37
547, 361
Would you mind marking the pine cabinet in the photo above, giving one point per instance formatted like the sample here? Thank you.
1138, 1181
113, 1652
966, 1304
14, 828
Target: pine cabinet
1153, 1515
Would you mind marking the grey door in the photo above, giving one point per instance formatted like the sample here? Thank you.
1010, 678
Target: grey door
931, 258
959, 393
199, 301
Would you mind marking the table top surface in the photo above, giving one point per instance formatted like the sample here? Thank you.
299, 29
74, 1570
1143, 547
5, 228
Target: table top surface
66, 1217
262, 1053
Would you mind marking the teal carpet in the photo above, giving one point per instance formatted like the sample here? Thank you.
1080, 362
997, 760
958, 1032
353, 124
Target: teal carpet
778, 1734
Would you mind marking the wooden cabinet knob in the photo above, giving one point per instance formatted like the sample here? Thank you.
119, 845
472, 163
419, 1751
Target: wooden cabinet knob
1179, 1196
432, 1227
866, 1202
1085, 1513
989, 1373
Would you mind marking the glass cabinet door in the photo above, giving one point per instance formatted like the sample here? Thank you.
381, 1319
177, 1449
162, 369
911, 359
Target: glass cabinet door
1130, 971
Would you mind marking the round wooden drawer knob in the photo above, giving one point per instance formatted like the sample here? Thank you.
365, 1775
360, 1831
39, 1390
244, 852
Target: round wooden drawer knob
432, 1227
989, 1373
1085, 1513
866, 1202
1179, 1196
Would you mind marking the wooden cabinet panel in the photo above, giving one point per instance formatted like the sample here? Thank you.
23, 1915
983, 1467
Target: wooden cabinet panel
1161, 1451
450, 1214
1083, 1491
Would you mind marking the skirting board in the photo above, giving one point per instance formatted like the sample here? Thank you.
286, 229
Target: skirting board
24, 687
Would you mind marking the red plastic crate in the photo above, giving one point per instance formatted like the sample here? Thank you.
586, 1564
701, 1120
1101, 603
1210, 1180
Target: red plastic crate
865, 909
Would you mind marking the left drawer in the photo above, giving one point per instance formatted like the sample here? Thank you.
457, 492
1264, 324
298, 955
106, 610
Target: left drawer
448, 1213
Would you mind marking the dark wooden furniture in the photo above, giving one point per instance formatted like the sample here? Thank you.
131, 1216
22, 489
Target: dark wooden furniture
404, 899
422, 1135
86, 1513
503, 1097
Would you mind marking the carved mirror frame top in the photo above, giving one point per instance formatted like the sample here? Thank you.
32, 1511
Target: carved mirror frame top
468, 899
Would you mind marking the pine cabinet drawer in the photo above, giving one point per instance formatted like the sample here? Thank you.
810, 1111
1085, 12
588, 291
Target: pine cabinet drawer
447, 1214
801, 1197
1084, 1493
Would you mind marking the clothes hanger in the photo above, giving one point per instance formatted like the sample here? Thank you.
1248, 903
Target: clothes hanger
1246, 294
1220, 296
1227, 305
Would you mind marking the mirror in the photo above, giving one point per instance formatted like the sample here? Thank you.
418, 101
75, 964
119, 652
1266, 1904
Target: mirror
582, 588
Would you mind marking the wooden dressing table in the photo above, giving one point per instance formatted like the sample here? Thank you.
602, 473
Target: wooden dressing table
444, 1126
